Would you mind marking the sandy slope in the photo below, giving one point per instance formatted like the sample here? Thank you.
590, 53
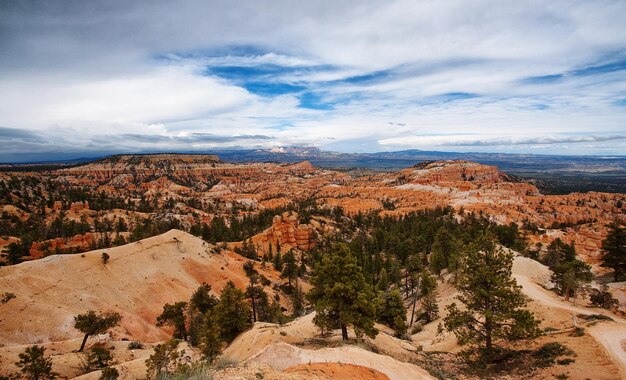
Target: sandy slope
611, 335
138, 280
283, 355
281, 347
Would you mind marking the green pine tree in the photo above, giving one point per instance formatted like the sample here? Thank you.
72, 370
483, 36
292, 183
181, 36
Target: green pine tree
391, 311
34, 365
91, 323
494, 305
341, 295
614, 249
233, 312
174, 315
290, 267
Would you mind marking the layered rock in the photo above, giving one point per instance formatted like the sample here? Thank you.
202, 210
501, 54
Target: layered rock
286, 231
60, 245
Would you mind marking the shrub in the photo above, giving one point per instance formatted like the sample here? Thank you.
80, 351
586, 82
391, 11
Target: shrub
96, 358
109, 373
34, 365
135, 345
602, 298
549, 352
6, 297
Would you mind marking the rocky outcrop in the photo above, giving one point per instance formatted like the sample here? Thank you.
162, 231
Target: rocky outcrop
287, 231
78, 243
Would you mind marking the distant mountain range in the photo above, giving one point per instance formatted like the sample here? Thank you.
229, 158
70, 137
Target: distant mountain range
554, 174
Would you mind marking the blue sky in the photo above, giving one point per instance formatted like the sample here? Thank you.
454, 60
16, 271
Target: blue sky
360, 76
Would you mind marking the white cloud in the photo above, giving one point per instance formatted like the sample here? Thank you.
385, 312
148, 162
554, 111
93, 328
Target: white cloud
77, 71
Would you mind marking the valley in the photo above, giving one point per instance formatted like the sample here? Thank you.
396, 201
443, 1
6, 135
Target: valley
130, 234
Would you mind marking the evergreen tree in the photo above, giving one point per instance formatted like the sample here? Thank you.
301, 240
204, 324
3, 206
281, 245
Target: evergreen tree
253, 293
202, 300
383, 281
200, 303
278, 261
233, 312
174, 315
430, 308
164, 361
571, 276
391, 311
210, 341
494, 304
558, 253
340, 294
14, 253
34, 365
445, 252
297, 301
91, 323
614, 249
97, 357
290, 267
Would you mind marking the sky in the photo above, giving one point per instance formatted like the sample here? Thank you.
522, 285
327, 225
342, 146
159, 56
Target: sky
86, 78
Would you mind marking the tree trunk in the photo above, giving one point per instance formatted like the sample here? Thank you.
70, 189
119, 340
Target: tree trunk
253, 306
566, 294
413, 311
488, 343
406, 282
82, 346
344, 332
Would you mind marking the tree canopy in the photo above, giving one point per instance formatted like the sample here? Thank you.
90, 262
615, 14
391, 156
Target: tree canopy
341, 295
92, 323
494, 304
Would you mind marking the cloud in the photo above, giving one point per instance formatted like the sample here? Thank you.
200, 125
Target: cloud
84, 76
540, 140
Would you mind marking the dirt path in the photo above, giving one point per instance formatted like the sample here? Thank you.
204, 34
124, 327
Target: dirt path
612, 335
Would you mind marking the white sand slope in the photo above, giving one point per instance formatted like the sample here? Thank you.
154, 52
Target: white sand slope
282, 355
611, 335
136, 282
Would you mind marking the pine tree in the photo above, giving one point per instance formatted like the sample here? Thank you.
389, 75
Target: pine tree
233, 312
290, 267
278, 261
340, 294
164, 361
91, 323
391, 311
174, 315
445, 251
297, 301
210, 340
200, 303
614, 249
493, 300
202, 300
571, 276
253, 293
34, 365
430, 307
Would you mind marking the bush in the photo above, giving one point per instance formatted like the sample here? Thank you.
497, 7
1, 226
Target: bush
549, 352
97, 357
135, 345
416, 328
602, 298
109, 373
6, 297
